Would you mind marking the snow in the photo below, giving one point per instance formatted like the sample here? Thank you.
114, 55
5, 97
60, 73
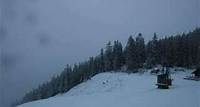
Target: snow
126, 90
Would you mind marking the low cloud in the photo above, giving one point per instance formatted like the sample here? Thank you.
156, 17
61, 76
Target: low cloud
43, 39
8, 61
3, 32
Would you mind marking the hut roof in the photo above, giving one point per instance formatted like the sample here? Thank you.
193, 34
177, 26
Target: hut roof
197, 71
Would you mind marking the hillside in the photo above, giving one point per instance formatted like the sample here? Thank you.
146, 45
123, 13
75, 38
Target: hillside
126, 90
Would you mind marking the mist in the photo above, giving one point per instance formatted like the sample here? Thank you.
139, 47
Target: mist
39, 37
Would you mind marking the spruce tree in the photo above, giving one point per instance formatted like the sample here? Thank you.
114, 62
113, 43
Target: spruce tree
108, 57
130, 54
140, 50
198, 56
102, 61
153, 51
118, 59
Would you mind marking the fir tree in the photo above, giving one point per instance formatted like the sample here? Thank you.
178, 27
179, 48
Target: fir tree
140, 50
198, 56
153, 51
130, 54
118, 59
102, 61
109, 57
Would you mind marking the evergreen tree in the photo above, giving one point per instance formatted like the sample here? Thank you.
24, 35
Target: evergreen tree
68, 70
118, 60
91, 66
153, 51
109, 57
102, 64
130, 54
198, 56
140, 51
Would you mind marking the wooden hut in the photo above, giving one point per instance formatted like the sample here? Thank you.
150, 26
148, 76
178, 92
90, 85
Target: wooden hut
196, 73
164, 80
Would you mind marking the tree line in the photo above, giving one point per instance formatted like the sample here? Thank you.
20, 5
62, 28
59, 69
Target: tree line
180, 50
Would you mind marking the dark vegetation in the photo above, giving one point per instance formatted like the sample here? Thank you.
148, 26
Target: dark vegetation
181, 50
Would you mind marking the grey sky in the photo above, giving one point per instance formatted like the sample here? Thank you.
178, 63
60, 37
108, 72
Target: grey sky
39, 37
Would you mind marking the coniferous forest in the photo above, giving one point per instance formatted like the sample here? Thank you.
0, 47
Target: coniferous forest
182, 50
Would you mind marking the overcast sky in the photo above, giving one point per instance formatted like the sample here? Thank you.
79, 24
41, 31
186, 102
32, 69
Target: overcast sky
39, 37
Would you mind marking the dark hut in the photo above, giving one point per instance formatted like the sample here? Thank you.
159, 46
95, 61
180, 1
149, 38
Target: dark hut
195, 76
196, 72
164, 80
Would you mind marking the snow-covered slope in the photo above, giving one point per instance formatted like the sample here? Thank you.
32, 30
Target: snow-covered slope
126, 90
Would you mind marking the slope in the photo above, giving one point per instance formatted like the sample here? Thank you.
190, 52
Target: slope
126, 90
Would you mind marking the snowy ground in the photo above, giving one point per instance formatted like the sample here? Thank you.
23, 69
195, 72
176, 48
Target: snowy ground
126, 90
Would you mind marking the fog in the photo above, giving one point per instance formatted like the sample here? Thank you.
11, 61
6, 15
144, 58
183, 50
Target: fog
39, 37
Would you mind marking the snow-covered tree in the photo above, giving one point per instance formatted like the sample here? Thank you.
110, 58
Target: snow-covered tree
109, 57
130, 54
140, 51
118, 60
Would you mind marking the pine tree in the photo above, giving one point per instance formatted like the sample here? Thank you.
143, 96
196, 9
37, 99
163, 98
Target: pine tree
109, 57
91, 66
68, 70
102, 61
130, 54
198, 56
118, 59
140, 50
153, 51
